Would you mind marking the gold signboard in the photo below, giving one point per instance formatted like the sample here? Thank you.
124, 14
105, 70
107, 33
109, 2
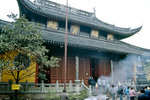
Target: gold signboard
52, 24
15, 86
94, 33
110, 37
74, 29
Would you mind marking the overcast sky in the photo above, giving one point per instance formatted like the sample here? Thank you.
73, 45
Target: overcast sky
121, 13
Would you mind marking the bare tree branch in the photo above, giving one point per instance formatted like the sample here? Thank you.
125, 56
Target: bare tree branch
29, 75
13, 75
28, 70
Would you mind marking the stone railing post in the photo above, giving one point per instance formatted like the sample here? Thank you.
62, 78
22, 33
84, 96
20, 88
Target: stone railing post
77, 86
90, 90
0, 76
42, 89
82, 83
70, 86
26, 86
9, 85
57, 86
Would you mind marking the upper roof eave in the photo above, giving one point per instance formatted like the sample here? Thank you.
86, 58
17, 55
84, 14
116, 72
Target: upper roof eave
75, 15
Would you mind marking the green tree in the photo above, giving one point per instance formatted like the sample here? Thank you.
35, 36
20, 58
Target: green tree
24, 38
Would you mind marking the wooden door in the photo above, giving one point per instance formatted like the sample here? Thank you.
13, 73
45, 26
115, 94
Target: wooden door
104, 68
57, 73
84, 69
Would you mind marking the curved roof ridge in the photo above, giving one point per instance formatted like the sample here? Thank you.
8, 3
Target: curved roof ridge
61, 7
116, 28
3, 22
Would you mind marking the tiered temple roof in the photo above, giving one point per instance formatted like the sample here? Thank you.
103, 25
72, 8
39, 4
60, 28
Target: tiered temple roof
48, 9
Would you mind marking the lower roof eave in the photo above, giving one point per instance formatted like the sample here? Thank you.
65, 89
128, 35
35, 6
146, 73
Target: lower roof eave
90, 48
56, 37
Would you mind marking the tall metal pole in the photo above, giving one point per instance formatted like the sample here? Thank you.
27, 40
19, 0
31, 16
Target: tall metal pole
66, 30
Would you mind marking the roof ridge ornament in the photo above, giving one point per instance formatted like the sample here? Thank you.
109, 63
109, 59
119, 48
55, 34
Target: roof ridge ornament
94, 10
94, 13
36, 2
113, 26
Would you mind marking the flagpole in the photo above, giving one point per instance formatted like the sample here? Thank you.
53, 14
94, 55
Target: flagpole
66, 30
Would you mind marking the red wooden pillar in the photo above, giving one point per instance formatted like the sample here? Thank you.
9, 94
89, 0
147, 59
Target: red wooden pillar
36, 74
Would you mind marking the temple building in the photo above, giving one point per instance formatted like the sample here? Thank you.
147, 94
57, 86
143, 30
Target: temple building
94, 47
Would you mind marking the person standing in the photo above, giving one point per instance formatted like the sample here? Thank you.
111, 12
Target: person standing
120, 92
99, 82
113, 92
91, 82
127, 93
107, 88
147, 91
132, 93
64, 96
104, 85
143, 96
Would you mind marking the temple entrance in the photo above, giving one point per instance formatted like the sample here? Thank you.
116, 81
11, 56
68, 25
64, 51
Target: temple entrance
99, 67
94, 68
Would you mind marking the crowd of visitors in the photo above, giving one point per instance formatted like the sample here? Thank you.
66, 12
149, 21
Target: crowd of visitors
119, 91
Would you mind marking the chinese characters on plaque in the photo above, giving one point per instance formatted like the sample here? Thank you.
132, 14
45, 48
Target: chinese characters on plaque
52, 24
75, 29
94, 33
110, 37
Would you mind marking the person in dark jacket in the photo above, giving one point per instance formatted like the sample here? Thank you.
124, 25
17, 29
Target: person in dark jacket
64, 96
91, 82
120, 92
143, 96
147, 91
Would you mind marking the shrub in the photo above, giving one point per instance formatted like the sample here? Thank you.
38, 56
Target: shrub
81, 96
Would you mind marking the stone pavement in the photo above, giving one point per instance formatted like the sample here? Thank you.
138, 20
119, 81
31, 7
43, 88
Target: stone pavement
124, 98
102, 98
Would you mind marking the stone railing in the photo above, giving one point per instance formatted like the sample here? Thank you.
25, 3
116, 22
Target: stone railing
5, 87
84, 86
25, 87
